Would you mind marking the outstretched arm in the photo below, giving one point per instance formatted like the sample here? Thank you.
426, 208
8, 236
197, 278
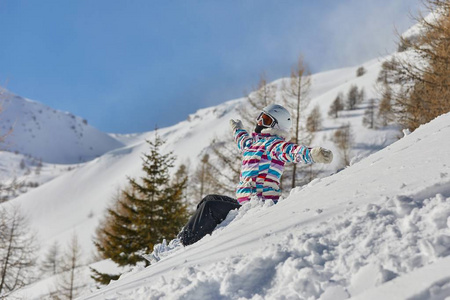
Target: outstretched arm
241, 136
290, 152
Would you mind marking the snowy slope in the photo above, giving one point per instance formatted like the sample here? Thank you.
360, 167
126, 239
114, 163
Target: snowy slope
75, 202
379, 229
20, 174
53, 136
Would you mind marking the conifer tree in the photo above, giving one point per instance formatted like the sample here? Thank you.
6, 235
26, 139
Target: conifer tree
157, 200
150, 210
115, 237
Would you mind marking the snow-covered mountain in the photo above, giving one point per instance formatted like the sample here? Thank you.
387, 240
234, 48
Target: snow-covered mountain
50, 135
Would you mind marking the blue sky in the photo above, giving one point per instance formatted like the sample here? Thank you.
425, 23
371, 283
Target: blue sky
127, 66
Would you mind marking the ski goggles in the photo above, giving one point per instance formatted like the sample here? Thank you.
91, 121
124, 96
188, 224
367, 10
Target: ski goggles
266, 120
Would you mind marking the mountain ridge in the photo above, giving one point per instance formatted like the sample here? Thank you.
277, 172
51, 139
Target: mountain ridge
50, 135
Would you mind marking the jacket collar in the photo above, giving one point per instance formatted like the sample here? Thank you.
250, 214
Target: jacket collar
273, 132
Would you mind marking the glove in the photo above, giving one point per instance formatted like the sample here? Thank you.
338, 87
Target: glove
321, 155
236, 124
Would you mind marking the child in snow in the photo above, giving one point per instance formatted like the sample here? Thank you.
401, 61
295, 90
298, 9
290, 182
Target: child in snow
264, 154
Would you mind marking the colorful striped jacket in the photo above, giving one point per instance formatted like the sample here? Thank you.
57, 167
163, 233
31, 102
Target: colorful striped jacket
263, 158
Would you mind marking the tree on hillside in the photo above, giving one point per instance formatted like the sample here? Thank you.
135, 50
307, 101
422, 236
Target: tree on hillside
148, 211
70, 282
314, 120
425, 80
296, 100
385, 110
202, 179
336, 106
6, 189
17, 250
224, 164
2, 134
182, 175
369, 115
114, 237
360, 71
343, 139
361, 96
262, 96
352, 97
52, 260
387, 72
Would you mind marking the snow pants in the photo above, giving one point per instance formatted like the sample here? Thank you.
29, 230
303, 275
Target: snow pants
211, 211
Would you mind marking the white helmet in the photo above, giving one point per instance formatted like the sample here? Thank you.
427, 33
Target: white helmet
281, 116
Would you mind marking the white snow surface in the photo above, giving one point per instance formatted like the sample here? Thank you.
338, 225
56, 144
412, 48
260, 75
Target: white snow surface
379, 229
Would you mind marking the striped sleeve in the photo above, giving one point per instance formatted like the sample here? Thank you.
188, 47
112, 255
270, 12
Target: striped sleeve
243, 139
290, 152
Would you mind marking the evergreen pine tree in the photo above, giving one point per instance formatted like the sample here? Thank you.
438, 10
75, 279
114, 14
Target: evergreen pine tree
150, 210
